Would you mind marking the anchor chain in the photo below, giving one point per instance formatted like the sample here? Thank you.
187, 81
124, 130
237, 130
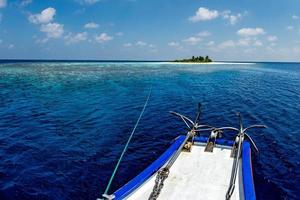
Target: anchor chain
162, 175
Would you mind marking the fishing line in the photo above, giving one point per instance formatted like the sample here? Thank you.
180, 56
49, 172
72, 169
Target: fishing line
127, 144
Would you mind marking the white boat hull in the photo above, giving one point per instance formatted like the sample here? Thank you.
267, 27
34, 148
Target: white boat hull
194, 175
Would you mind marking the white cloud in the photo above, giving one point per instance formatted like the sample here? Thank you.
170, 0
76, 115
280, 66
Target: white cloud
2, 3
210, 43
44, 17
25, 2
296, 49
246, 32
42, 41
290, 28
272, 38
75, 38
127, 44
140, 43
53, 30
249, 41
249, 50
244, 42
174, 44
11, 46
233, 19
119, 34
204, 14
295, 17
192, 40
257, 43
227, 44
221, 46
103, 37
203, 34
91, 1
87, 2
153, 50
91, 25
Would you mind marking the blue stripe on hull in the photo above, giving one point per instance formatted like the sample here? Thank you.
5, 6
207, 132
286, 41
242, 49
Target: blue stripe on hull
149, 171
248, 183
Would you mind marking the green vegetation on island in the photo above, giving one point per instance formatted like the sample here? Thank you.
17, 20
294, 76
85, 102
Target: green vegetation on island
194, 59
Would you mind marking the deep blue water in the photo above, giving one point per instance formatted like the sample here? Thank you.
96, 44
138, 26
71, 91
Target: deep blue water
63, 125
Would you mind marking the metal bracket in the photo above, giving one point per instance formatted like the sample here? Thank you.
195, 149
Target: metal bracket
233, 151
211, 142
234, 147
209, 146
107, 197
187, 146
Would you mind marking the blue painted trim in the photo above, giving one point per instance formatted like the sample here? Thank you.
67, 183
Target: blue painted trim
248, 183
219, 141
149, 171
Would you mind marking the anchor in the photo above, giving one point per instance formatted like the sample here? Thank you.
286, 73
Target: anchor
237, 149
193, 127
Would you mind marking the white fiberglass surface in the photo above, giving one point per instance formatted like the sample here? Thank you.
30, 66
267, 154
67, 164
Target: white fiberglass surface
196, 175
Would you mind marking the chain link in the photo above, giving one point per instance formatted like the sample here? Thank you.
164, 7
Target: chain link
162, 175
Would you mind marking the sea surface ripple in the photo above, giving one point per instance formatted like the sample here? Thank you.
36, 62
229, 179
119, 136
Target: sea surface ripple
63, 125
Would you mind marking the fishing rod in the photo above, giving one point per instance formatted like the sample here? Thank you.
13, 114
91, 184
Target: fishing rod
106, 196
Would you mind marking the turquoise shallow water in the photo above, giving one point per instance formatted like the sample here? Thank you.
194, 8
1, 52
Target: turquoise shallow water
64, 124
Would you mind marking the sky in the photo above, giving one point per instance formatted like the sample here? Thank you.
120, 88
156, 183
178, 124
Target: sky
226, 30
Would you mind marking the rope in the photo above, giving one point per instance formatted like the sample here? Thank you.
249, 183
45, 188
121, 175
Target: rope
127, 144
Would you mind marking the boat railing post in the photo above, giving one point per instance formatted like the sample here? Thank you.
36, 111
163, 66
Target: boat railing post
236, 152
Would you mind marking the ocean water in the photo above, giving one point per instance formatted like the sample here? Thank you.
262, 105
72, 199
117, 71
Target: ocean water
63, 125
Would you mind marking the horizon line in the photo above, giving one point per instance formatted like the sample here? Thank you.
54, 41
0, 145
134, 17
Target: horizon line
127, 60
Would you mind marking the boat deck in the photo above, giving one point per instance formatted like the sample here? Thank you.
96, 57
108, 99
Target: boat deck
196, 175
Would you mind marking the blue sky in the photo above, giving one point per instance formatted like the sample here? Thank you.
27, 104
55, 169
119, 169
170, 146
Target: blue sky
246, 30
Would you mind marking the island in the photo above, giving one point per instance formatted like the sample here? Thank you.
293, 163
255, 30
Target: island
194, 59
